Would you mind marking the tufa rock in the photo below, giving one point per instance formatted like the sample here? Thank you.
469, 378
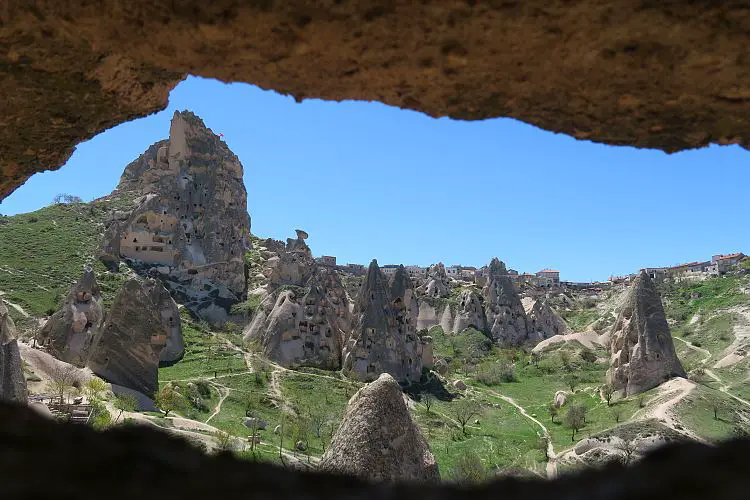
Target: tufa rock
560, 399
542, 321
69, 332
304, 325
188, 218
470, 313
126, 351
643, 354
12, 380
378, 440
384, 338
437, 283
506, 318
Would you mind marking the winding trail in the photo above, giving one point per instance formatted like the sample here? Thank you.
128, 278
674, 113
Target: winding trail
552, 456
694, 347
17, 307
681, 387
224, 395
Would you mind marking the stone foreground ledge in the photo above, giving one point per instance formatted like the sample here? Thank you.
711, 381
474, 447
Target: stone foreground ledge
43, 459
666, 74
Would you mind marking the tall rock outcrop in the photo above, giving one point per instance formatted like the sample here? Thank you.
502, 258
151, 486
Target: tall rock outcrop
303, 317
506, 318
384, 336
543, 322
12, 379
378, 440
437, 283
188, 220
305, 326
469, 313
643, 354
127, 350
69, 332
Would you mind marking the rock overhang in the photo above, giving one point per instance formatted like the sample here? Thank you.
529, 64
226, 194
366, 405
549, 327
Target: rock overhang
666, 75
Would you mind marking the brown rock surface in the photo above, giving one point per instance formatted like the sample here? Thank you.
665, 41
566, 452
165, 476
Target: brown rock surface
126, 351
669, 75
643, 354
70, 331
543, 322
378, 440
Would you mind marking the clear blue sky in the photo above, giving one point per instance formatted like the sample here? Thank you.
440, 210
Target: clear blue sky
370, 181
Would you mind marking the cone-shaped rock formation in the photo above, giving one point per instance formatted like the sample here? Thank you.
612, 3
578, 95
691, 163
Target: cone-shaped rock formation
506, 318
643, 354
378, 440
12, 380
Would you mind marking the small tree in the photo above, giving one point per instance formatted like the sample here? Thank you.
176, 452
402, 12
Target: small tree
468, 469
64, 378
125, 402
224, 441
608, 391
94, 388
572, 381
542, 444
575, 419
616, 414
427, 399
464, 410
553, 411
628, 450
167, 400
565, 359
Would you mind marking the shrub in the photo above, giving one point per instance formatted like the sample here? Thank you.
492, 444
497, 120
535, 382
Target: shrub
496, 373
204, 388
468, 469
588, 356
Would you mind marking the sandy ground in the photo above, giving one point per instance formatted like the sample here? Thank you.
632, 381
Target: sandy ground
739, 349
676, 390
588, 338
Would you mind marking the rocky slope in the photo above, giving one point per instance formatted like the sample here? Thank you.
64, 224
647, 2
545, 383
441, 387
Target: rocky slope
643, 353
378, 440
543, 322
188, 222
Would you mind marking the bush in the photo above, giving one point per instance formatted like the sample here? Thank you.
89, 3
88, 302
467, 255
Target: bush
496, 373
204, 388
588, 356
468, 469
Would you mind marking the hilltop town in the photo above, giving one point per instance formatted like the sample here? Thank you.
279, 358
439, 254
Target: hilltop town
157, 306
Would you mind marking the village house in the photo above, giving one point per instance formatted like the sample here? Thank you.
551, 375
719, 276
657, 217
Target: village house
689, 268
550, 275
724, 262
416, 271
326, 260
389, 269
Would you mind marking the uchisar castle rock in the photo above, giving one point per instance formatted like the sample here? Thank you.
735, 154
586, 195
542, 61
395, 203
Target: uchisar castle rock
188, 222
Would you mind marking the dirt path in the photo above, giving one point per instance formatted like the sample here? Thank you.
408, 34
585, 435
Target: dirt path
694, 347
737, 350
681, 388
725, 388
18, 308
224, 395
551, 462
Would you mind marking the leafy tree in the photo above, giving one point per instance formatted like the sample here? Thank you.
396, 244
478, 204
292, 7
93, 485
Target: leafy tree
608, 391
125, 402
542, 444
572, 380
575, 419
588, 355
224, 441
64, 378
464, 410
66, 198
426, 398
628, 450
616, 414
168, 399
553, 411
94, 388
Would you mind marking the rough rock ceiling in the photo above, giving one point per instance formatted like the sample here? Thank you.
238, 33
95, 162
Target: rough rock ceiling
667, 74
